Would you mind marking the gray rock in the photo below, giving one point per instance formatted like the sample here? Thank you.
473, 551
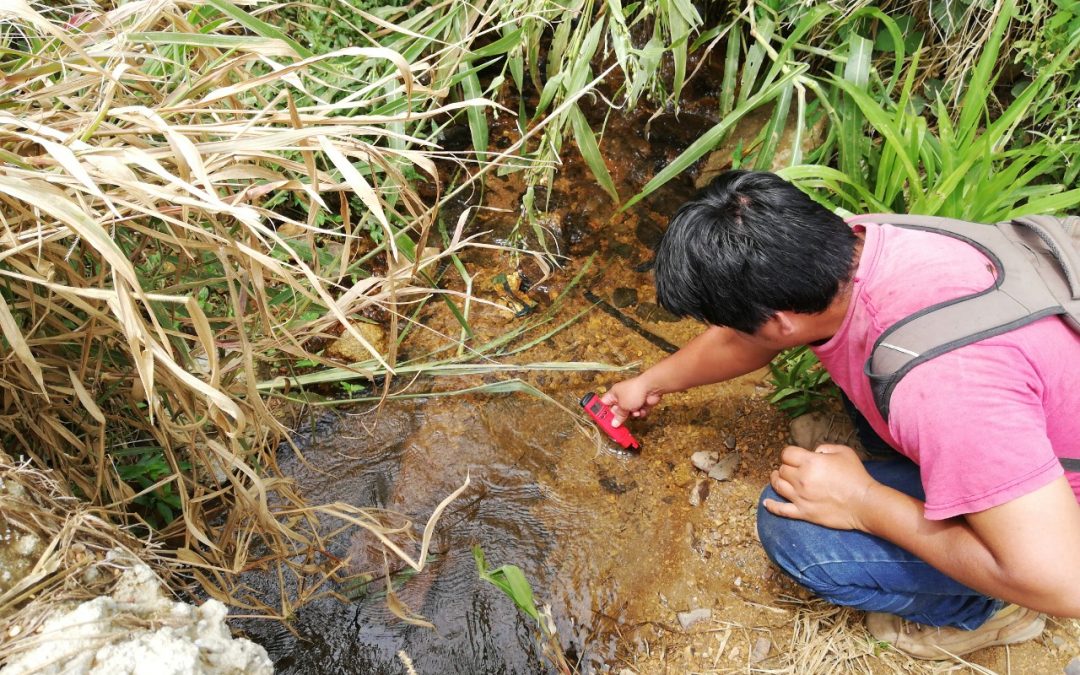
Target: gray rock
729, 442
1073, 668
724, 468
699, 493
760, 651
624, 297
687, 619
650, 311
705, 459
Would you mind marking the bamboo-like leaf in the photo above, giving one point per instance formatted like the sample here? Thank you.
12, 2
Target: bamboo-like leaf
49, 200
84, 396
774, 130
731, 70
590, 151
857, 76
478, 125
973, 103
15, 338
755, 58
708, 140
257, 26
244, 43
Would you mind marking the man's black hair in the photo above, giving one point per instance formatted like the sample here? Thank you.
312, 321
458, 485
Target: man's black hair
747, 246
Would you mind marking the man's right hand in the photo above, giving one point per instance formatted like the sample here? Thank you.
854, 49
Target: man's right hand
631, 398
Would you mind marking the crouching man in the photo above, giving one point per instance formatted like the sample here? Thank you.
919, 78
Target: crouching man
968, 530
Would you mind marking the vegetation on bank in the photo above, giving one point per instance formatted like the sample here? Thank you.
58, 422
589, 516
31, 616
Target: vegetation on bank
197, 196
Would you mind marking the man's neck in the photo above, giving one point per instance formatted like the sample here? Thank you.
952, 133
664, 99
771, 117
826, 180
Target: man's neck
828, 322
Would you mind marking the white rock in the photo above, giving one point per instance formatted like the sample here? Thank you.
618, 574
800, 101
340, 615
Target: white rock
138, 631
704, 459
760, 651
687, 619
26, 544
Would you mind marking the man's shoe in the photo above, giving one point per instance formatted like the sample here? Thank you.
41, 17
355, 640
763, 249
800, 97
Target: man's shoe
820, 428
1011, 624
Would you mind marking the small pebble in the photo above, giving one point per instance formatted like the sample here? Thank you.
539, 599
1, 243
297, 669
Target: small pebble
1074, 667
699, 493
761, 650
624, 297
705, 459
729, 442
724, 468
687, 619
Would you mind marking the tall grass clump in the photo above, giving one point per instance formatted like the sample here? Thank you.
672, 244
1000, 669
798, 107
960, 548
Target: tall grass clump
154, 269
545, 56
1002, 152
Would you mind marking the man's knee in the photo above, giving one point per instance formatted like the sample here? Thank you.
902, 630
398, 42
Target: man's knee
795, 547
777, 534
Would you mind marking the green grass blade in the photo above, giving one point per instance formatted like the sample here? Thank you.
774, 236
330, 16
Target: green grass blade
477, 115
775, 129
755, 57
710, 138
258, 26
853, 143
977, 92
731, 70
590, 151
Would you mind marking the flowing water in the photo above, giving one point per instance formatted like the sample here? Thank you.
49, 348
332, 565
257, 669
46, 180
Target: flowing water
574, 515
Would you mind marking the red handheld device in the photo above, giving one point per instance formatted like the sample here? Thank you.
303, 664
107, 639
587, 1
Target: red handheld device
603, 417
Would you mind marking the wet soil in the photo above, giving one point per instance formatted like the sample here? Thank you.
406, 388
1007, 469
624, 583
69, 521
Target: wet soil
617, 544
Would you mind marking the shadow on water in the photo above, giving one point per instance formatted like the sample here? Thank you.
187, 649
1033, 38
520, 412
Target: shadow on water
522, 456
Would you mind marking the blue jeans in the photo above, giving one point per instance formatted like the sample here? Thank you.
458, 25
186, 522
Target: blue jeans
860, 570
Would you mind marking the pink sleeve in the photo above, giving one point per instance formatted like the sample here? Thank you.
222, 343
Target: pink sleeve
973, 420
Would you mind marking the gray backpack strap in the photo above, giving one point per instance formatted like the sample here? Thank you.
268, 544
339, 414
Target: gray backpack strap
1038, 275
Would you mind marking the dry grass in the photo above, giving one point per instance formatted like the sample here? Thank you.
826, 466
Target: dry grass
77, 553
150, 281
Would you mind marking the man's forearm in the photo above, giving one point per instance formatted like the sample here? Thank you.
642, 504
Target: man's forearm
715, 355
955, 548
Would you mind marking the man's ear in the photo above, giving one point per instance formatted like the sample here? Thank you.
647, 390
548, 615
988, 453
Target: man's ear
784, 324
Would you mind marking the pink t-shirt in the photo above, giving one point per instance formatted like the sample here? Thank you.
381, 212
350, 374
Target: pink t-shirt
986, 423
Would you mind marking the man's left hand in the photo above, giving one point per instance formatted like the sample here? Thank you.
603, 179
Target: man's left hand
827, 486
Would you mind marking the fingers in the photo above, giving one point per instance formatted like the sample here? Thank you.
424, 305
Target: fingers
618, 415
782, 509
793, 455
831, 449
783, 488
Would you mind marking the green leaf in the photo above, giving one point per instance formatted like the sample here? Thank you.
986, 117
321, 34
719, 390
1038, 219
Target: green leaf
499, 47
731, 70
590, 151
477, 115
511, 581
258, 26
775, 130
710, 138
857, 74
